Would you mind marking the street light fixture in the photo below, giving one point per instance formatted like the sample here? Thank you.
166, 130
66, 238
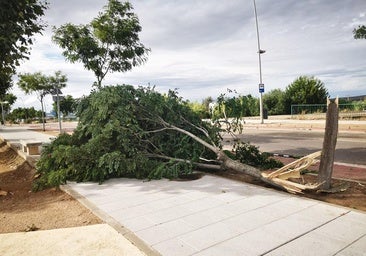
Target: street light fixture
2, 110
260, 51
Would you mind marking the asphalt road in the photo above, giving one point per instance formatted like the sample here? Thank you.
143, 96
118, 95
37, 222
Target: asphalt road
351, 146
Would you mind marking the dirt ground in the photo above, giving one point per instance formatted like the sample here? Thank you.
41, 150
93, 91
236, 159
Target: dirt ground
24, 210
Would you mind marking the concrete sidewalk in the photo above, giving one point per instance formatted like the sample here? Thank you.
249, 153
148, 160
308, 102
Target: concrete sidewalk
216, 216
98, 239
14, 134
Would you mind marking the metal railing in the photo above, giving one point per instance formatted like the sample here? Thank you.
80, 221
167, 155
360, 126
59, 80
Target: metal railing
347, 111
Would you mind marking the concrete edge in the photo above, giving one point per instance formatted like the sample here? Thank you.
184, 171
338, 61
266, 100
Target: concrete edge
351, 165
128, 234
31, 160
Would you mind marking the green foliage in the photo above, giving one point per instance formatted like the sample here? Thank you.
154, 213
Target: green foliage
200, 109
305, 90
67, 105
41, 85
121, 134
250, 155
229, 111
360, 32
26, 114
236, 106
274, 102
19, 21
109, 43
10, 99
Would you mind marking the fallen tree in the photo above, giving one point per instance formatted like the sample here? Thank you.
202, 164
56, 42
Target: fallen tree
128, 132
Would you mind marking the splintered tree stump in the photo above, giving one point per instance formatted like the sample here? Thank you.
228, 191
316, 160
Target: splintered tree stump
329, 145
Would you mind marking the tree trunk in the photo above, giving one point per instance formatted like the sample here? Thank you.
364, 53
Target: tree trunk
43, 118
329, 145
277, 180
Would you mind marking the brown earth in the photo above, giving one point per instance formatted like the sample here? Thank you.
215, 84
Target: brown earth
24, 210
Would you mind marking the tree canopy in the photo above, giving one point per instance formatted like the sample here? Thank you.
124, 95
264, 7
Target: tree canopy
19, 21
305, 90
26, 114
124, 131
41, 85
274, 101
67, 105
109, 43
360, 32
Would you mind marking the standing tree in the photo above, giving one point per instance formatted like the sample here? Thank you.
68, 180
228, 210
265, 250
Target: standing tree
25, 114
110, 43
360, 32
305, 90
275, 102
10, 99
6, 101
41, 85
67, 105
19, 21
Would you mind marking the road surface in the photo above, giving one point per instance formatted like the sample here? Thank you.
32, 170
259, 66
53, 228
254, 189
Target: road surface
351, 146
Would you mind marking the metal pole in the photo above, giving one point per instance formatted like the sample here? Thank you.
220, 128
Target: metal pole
260, 65
58, 111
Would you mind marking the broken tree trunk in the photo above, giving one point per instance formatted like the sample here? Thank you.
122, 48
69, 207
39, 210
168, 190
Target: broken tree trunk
278, 180
329, 145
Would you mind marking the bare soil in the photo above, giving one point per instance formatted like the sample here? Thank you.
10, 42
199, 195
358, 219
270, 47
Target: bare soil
24, 210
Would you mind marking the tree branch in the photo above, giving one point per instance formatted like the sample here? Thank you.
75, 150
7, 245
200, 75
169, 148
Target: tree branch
198, 165
216, 150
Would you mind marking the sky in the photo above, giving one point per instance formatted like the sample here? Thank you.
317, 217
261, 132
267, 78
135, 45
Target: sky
204, 47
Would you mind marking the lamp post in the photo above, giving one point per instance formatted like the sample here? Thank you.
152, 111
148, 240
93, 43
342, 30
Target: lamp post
260, 51
56, 91
2, 110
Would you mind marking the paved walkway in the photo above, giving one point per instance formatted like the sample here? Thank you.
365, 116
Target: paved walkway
216, 216
98, 239
14, 134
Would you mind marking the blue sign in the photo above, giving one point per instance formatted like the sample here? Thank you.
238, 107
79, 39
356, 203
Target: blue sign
261, 88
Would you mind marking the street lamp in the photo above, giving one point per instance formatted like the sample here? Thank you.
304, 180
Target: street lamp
2, 110
56, 91
260, 51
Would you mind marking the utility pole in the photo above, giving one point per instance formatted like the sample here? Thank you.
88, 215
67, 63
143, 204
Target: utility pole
260, 51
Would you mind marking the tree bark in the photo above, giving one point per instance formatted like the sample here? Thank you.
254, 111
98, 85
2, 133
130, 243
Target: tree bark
329, 145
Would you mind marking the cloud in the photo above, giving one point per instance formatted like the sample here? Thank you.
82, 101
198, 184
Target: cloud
204, 47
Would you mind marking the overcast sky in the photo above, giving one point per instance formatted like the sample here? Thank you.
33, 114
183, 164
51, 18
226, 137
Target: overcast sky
203, 47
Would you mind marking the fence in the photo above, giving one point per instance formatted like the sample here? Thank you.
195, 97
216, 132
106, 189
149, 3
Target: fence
313, 111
